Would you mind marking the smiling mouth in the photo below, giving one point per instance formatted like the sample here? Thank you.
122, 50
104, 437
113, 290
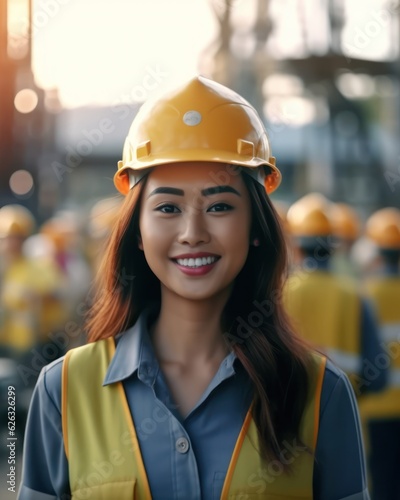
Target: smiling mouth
197, 262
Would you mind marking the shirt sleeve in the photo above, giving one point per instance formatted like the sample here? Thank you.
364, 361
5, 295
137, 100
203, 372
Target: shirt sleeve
44, 465
339, 469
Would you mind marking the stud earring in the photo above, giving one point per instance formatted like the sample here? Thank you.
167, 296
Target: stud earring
256, 242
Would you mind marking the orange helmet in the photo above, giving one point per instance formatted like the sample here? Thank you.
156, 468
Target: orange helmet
383, 227
16, 220
200, 121
309, 216
345, 221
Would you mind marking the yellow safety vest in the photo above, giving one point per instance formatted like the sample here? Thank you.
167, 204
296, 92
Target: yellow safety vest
326, 310
385, 292
103, 452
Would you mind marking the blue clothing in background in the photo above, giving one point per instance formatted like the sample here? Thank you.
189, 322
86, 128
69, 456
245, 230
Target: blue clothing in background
373, 378
187, 458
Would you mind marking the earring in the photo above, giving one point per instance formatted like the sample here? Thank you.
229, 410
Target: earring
256, 242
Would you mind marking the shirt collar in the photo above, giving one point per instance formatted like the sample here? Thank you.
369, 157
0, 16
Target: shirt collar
134, 352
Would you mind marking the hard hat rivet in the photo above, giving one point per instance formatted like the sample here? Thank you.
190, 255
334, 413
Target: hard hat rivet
191, 118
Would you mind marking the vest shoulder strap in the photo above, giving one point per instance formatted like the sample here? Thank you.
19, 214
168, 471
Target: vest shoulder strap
250, 474
99, 439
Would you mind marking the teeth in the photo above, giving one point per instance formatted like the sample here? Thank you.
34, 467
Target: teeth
198, 262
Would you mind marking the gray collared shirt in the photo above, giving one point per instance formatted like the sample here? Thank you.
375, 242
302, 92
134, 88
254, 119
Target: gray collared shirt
187, 458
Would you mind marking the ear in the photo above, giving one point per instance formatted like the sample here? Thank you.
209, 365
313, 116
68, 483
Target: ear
140, 243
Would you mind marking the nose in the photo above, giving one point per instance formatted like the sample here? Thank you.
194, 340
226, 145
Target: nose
193, 231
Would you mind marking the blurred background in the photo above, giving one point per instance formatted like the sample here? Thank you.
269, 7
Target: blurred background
323, 74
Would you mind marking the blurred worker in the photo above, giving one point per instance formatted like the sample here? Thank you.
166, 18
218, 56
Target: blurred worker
31, 297
328, 309
381, 412
102, 217
346, 228
63, 232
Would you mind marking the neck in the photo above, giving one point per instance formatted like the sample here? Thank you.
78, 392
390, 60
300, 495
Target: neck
187, 330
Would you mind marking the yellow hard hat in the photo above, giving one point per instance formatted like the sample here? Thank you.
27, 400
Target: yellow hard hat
383, 227
16, 220
200, 121
309, 216
345, 221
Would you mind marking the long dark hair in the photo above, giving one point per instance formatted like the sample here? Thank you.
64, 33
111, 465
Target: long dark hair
254, 320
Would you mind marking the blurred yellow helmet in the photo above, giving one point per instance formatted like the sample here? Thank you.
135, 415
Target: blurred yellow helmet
62, 231
345, 221
383, 227
16, 220
309, 216
200, 121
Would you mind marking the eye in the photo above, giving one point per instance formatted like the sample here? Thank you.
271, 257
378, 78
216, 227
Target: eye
220, 207
167, 208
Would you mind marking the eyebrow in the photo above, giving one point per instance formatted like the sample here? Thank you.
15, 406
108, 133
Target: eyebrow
205, 192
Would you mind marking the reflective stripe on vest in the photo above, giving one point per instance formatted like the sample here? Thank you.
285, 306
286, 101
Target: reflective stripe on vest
326, 310
385, 293
103, 452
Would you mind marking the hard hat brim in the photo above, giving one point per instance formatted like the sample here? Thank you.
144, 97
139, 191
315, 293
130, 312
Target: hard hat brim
123, 183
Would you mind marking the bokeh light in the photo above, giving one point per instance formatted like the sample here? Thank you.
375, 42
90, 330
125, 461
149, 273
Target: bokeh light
21, 182
26, 101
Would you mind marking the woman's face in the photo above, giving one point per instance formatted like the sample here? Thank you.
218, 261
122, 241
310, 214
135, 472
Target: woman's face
195, 227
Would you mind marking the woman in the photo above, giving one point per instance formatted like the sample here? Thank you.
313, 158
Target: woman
193, 384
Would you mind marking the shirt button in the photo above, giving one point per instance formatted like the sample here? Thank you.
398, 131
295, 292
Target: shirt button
182, 445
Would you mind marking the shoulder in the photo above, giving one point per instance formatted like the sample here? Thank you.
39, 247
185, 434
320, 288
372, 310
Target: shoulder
86, 356
50, 378
48, 390
336, 387
326, 377
48, 385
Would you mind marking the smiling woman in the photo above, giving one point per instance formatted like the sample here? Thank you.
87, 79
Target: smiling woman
193, 384
183, 226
